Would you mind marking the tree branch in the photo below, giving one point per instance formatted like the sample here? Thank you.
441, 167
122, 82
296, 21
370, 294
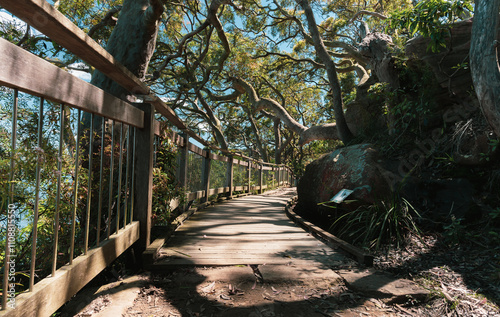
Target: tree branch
265, 103
343, 130
26, 35
299, 60
323, 132
365, 12
108, 19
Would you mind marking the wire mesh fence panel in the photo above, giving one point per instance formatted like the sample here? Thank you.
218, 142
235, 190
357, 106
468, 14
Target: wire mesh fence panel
240, 175
194, 169
218, 171
255, 181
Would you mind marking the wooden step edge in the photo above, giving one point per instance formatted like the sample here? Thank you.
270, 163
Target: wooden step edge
361, 256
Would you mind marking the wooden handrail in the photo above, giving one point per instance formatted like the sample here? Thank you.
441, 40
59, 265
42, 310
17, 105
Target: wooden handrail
17, 67
46, 19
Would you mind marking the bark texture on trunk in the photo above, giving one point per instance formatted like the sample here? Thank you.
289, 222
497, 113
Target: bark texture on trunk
484, 60
132, 42
277, 140
343, 130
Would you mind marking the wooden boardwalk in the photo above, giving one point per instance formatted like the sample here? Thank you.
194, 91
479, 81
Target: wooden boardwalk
252, 230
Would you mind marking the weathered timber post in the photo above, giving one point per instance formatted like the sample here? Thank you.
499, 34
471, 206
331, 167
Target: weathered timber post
273, 173
143, 200
229, 177
249, 176
279, 176
182, 163
287, 177
261, 175
205, 172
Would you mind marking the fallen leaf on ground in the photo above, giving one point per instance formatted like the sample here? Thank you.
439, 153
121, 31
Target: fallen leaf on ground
209, 288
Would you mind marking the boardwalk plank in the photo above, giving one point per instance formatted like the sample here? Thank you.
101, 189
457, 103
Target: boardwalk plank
249, 230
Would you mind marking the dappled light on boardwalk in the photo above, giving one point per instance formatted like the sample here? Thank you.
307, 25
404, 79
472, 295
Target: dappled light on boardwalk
250, 230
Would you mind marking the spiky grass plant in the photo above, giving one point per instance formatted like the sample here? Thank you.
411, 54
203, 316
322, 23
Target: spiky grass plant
387, 222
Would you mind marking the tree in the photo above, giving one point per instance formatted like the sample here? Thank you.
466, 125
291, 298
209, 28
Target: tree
190, 55
343, 130
484, 60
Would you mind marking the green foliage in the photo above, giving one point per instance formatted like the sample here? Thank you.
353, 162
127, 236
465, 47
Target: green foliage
430, 18
484, 232
348, 86
26, 156
387, 222
165, 185
493, 146
454, 231
408, 110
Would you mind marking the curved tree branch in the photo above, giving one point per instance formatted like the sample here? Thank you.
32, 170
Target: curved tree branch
344, 132
299, 60
349, 49
26, 35
211, 19
323, 132
365, 12
108, 19
266, 103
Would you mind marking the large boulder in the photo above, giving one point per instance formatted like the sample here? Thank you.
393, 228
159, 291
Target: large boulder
355, 167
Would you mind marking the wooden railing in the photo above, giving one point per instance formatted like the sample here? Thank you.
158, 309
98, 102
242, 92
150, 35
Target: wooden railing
258, 175
103, 188
89, 230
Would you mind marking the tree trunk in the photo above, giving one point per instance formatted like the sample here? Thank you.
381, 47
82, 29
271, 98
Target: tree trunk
338, 105
277, 141
132, 42
484, 60
258, 139
375, 47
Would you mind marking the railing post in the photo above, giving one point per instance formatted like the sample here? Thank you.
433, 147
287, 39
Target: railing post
249, 176
205, 171
183, 163
229, 177
261, 175
273, 173
143, 201
278, 177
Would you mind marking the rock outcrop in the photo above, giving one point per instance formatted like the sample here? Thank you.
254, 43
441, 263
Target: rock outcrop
354, 167
451, 64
